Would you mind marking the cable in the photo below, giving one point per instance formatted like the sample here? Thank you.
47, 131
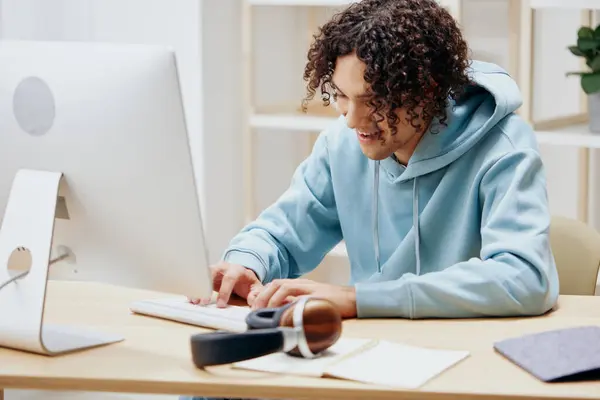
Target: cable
14, 278
22, 274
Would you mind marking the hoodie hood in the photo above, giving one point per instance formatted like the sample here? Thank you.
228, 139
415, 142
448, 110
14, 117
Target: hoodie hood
492, 96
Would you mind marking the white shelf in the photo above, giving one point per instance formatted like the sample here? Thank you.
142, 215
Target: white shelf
576, 136
566, 4
291, 121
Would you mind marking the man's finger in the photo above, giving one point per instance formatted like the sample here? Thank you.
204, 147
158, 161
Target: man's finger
227, 284
216, 273
251, 298
289, 289
255, 290
264, 296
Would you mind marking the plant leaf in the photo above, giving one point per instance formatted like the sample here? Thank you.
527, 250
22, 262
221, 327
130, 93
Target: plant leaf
575, 51
590, 83
587, 44
585, 32
575, 73
595, 64
597, 32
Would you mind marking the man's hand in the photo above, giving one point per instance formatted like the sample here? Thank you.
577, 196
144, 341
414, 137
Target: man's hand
280, 292
231, 278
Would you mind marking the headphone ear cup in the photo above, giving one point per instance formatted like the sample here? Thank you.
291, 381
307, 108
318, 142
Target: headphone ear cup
217, 348
266, 318
261, 319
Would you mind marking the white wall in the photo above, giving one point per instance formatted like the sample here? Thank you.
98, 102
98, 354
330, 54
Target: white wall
221, 77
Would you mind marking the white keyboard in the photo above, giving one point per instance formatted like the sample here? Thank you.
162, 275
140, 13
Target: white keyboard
231, 318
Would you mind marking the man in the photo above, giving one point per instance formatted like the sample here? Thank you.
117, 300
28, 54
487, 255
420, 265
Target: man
431, 179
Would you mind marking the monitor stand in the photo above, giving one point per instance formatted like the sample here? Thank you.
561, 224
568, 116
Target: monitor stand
29, 225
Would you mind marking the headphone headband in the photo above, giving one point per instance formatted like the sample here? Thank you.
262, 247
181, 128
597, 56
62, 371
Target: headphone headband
298, 317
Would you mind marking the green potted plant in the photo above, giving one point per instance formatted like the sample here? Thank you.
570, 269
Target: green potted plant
588, 48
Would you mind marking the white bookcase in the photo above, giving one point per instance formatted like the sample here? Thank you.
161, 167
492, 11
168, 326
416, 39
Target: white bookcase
569, 131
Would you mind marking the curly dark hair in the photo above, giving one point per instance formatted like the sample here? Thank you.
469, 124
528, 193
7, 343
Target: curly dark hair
415, 55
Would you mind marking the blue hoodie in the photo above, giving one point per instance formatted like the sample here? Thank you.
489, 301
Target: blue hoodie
461, 231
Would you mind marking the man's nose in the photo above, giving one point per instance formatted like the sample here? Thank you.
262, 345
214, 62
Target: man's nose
352, 118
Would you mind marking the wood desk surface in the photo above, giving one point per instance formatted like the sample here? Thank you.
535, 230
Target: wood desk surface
155, 356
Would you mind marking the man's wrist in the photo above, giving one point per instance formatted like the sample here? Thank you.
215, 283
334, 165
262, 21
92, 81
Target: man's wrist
350, 301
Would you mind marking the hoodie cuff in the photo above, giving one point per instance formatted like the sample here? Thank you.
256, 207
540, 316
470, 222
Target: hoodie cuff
390, 299
248, 260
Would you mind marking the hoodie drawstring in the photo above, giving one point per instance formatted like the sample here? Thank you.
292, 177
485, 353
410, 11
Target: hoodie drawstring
375, 215
375, 220
416, 225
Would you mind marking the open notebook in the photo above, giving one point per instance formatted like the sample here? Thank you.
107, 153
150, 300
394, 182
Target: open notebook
364, 360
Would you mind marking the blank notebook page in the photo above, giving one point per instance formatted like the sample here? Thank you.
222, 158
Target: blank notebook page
395, 364
283, 363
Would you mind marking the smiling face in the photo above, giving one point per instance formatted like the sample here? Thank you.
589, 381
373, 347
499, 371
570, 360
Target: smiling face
352, 96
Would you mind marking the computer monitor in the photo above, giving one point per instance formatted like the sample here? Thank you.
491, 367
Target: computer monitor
110, 119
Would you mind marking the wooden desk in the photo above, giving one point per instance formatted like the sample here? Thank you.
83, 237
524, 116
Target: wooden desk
155, 356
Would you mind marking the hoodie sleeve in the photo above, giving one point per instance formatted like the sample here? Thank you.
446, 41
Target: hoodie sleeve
291, 237
515, 274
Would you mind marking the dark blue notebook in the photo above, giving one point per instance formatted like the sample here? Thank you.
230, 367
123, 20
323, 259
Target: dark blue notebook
571, 354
